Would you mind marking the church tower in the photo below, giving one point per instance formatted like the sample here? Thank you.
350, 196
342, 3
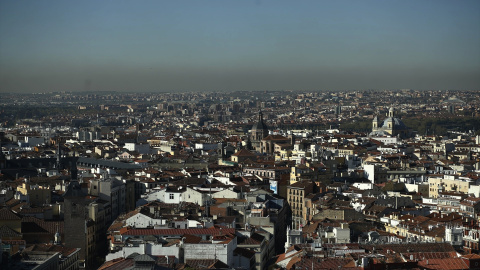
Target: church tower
75, 219
259, 131
391, 126
390, 120
375, 123
391, 112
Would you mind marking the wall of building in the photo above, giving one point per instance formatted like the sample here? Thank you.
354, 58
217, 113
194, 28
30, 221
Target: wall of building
193, 196
142, 221
222, 252
146, 248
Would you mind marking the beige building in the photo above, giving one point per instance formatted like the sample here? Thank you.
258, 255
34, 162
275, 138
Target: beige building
339, 213
299, 171
448, 183
296, 194
345, 150
37, 195
274, 143
242, 155
282, 153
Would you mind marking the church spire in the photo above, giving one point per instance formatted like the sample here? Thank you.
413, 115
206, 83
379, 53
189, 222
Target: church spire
391, 112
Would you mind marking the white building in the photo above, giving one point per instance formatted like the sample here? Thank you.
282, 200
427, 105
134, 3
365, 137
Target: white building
221, 250
140, 220
195, 196
454, 235
227, 193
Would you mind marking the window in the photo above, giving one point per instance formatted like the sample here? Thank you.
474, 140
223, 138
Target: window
172, 196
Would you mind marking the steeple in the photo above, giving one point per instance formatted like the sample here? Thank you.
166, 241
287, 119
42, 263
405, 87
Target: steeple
259, 131
375, 123
391, 112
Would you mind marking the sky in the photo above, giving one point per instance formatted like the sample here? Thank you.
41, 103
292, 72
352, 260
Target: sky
230, 45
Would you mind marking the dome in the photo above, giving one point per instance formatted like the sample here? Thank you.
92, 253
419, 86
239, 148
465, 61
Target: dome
391, 126
379, 133
397, 123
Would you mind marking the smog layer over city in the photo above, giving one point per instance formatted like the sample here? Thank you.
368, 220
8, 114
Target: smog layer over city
239, 135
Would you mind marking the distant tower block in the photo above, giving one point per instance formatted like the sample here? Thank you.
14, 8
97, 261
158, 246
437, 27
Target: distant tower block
451, 109
338, 110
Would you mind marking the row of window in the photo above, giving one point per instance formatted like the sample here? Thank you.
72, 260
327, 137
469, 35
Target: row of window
296, 192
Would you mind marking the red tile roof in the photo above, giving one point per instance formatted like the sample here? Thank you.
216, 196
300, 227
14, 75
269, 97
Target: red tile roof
7, 214
244, 153
49, 226
7, 232
192, 239
471, 256
205, 264
445, 264
419, 256
119, 264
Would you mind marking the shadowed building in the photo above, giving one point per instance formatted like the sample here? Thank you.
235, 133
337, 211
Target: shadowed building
85, 224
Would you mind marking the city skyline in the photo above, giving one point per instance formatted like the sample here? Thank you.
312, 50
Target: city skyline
247, 45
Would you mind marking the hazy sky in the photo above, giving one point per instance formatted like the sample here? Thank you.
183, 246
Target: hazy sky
238, 45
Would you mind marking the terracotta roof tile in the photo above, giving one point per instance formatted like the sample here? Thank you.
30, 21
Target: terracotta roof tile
445, 264
7, 214
7, 232
205, 264
119, 264
244, 153
472, 256
191, 239
48, 226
